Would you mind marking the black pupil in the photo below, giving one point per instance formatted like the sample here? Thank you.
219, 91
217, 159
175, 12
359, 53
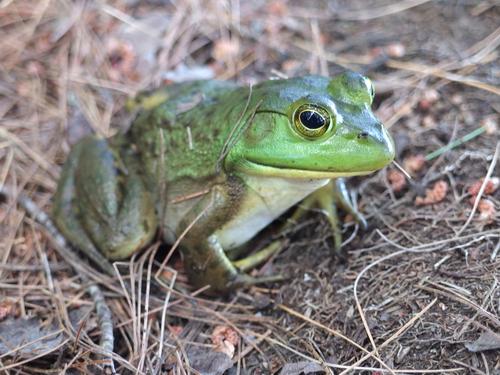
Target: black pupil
312, 119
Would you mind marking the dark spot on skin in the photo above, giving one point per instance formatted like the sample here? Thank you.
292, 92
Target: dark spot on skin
363, 135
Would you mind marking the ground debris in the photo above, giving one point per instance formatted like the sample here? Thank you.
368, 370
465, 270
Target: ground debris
434, 195
205, 361
491, 186
488, 340
302, 368
29, 337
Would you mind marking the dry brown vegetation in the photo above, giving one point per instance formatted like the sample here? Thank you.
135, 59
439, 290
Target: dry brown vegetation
420, 291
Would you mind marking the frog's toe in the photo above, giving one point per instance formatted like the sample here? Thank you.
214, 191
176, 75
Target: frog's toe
328, 198
255, 259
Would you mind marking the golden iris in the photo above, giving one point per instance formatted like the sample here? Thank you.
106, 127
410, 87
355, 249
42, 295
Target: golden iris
311, 121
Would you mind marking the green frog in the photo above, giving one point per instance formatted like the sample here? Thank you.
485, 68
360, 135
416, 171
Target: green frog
212, 163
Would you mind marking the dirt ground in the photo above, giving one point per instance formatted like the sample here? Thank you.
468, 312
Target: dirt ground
419, 291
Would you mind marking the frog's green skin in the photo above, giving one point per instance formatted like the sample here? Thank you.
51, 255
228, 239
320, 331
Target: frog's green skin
215, 163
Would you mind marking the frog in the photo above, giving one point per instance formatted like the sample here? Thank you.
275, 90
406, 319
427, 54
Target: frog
209, 164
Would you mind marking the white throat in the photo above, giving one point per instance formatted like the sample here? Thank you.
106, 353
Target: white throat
266, 199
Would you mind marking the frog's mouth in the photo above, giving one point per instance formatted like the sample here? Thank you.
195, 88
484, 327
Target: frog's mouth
252, 167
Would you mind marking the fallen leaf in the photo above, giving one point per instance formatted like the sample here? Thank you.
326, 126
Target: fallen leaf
16, 333
299, 368
208, 362
397, 180
27, 338
488, 340
434, 195
491, 186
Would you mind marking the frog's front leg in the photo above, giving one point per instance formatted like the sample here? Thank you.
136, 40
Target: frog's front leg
336, 194
328, 198
101, 205
205, 260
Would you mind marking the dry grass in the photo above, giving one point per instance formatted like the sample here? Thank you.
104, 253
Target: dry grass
414, 292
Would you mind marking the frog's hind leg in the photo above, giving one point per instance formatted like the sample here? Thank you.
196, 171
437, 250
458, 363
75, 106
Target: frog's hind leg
101, 206
65, 213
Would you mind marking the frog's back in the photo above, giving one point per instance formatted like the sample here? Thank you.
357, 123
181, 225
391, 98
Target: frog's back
179, 129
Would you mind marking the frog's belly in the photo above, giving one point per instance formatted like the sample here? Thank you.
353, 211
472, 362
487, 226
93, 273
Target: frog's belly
266, 199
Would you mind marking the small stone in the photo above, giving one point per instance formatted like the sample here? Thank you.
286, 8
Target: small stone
395, 50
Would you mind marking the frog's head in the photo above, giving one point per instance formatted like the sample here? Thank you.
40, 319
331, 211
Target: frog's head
311, 127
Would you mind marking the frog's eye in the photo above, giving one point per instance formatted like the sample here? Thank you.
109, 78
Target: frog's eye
311, 121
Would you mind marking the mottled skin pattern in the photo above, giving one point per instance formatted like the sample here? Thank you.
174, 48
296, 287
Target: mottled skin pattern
210, 156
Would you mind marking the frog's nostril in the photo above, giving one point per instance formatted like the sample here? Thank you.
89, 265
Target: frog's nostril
362, 135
